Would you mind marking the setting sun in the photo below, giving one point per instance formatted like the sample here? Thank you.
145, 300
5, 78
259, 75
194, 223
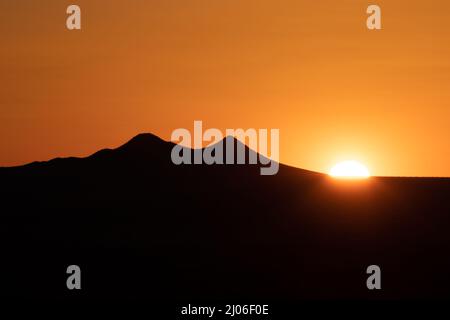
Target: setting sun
349, 169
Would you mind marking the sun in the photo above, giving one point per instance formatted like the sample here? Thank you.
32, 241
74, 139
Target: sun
349, 169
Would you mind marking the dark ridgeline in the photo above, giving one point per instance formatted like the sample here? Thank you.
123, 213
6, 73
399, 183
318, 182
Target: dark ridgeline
141, 227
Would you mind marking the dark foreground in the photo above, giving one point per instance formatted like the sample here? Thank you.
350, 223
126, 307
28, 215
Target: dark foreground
142, 228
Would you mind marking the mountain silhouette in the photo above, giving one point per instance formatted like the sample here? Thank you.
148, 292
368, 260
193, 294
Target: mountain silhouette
140, 226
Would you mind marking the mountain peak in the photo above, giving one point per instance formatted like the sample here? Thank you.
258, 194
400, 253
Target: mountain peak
145, 137
143, 141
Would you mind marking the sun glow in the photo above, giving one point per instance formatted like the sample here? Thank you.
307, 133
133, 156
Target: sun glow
349, 169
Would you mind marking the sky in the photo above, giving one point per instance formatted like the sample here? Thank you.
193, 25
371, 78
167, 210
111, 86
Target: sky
312, 69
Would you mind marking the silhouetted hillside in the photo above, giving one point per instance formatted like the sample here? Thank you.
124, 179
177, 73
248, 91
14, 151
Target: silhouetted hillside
142, 227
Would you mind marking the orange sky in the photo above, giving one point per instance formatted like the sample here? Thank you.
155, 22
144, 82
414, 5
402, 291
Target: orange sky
310, 68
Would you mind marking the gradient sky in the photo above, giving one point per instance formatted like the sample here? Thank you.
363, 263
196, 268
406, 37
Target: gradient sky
310, 68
